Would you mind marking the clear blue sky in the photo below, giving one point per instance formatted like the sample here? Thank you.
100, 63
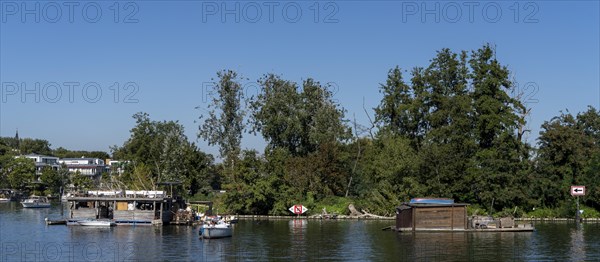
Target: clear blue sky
168, 49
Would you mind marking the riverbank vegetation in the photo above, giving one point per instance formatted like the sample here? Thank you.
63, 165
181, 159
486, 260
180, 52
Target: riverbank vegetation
454, 129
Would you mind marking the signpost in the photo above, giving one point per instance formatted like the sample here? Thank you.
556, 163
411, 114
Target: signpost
577, 191
298, 209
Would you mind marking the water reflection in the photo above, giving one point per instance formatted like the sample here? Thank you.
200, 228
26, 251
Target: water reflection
25, 237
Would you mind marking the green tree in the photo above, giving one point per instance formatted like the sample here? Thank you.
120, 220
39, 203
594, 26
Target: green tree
500, 158
51, 180
387, 174
253, 193
34, 146
393, 113
448, 142
275, 114
65, 153
224, 124
589, 123
297, 121
19, 172
81, 182
564, 155
160, 152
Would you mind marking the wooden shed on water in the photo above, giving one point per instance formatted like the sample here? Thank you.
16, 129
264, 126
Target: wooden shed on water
431, 214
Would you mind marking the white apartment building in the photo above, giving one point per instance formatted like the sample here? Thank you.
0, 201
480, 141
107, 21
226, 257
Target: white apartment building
42, 161
86, 166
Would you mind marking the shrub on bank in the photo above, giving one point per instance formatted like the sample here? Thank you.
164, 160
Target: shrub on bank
564, 211
333, 204
542, 213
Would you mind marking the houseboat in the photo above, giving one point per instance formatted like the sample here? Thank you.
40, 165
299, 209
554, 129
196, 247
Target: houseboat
122, 207
435, 215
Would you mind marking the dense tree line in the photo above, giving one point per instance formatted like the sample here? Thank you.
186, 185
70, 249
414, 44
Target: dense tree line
451, 130
448, 130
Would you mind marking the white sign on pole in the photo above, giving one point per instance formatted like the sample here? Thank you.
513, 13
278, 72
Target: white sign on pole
578, 190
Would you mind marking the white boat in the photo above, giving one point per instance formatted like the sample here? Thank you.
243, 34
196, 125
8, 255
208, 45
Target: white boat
218, 229
5, 195
96, 223
36, 202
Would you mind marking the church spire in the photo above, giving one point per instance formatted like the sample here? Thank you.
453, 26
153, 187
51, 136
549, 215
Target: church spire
17, 139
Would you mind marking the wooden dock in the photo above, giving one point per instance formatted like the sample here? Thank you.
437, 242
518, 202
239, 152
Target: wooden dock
444, 230
339, 217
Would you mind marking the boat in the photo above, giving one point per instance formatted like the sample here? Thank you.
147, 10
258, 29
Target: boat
231, 219
5, 195
96, 223
36, 202
55, 222
216, 229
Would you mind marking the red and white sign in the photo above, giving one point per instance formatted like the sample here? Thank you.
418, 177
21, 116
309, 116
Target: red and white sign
298, 209
578, 190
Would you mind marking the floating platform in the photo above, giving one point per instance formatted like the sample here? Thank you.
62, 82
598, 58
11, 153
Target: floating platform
55, 222
525, 228
443, 215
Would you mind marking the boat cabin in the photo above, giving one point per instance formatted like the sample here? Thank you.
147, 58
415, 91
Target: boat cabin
431, 214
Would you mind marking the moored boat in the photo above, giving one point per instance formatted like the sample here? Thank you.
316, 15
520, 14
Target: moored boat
96, 223
55, 222
216, 229
36, 202
5, 195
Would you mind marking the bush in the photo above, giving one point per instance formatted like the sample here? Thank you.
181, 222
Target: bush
333, 204
589, 212
542, 213
476, 210
566, 210
510, 212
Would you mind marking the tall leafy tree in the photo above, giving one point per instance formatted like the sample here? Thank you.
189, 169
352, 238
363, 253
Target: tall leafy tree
394, 111
501, 155
297, 121
275, 114
160, 152
447, 142
564, 153
224, 124
323, 120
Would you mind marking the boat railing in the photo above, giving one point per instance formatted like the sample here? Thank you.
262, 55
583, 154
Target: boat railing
127, 194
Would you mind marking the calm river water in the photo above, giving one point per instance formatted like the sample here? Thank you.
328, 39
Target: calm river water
25, 237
